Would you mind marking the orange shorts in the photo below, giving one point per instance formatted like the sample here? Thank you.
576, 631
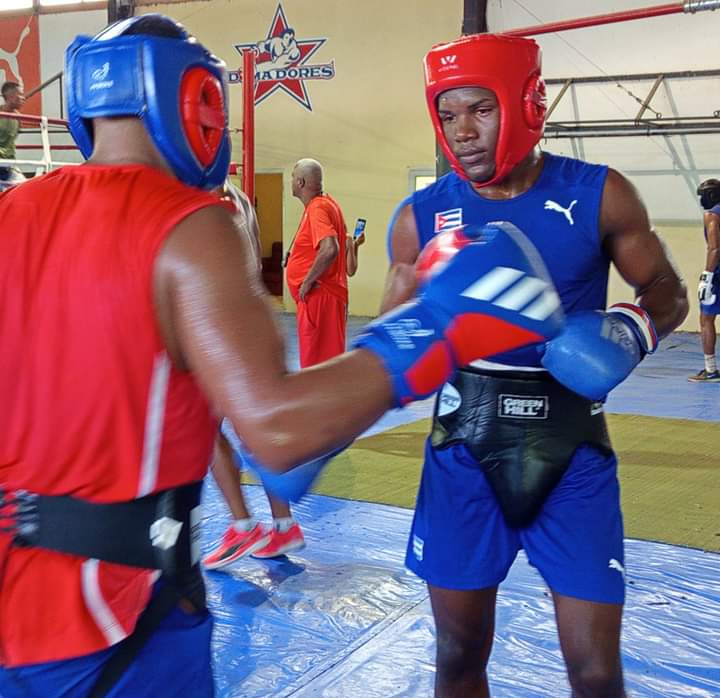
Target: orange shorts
321, 320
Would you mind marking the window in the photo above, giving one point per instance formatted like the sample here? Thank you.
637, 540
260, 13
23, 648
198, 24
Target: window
419, 178
422, 181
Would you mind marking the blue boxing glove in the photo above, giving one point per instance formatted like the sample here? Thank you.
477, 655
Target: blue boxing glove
289, 486
493, 295
598, 350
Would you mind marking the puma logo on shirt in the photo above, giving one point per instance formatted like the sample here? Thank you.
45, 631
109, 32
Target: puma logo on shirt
551, 205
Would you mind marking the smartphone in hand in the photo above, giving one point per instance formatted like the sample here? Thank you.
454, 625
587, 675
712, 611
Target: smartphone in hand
359, 227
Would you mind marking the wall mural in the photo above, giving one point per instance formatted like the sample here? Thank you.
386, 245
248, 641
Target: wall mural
20, 56
282, 62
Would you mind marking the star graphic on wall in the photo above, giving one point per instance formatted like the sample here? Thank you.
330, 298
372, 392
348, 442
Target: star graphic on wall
279, 66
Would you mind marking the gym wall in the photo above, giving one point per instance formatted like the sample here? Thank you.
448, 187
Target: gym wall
368, 124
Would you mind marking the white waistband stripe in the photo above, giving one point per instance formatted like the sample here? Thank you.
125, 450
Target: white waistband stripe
99, 610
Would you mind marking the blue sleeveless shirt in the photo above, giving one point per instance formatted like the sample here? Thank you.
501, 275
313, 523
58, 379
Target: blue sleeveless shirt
559, 214
716, 210
716, 272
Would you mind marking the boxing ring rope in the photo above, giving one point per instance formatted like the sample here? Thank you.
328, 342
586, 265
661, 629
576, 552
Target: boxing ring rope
46, 162
686, 7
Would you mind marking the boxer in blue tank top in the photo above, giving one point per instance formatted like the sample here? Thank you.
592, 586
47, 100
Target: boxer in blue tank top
475, 509
709, 286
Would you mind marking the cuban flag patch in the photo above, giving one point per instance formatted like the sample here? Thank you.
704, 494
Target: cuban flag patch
448, 220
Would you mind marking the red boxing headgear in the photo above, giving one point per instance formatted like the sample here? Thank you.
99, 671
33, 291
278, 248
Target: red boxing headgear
510, 67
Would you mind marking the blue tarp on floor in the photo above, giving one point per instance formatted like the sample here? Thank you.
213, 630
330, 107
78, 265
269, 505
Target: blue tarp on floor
659, 386
344, 618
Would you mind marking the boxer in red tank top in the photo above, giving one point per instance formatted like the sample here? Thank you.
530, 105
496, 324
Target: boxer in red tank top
126, 326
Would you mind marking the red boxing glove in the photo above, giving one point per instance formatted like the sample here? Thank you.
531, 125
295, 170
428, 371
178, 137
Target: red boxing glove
438, 252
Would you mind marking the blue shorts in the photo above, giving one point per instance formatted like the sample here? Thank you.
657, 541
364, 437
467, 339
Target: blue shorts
714, 308
175, 661
459, 538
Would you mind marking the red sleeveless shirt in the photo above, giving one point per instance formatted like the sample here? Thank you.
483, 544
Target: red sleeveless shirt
90, 404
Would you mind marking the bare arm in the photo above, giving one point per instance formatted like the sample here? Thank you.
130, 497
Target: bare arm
218, 324
251, 225
327, 251
352, 245
405, 246
640, 256
712, 226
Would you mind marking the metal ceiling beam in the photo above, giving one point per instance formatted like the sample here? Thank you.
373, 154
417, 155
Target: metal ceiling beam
580, 130
670, 172
688, 121
634, 77
596, 128
565, 85
646, 102
688, 7
656, 125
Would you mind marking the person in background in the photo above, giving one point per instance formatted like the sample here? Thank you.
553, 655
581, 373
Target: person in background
13, 99
316, 268
709, 286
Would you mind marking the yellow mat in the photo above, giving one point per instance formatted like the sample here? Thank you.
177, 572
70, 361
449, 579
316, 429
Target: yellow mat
669, 470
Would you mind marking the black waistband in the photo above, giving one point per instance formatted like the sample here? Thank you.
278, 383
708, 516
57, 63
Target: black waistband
473, 398
522, 430
158, 531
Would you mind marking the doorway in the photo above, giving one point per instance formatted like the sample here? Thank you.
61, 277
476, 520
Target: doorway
269, 208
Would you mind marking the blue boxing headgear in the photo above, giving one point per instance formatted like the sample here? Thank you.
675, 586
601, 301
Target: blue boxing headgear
171, 82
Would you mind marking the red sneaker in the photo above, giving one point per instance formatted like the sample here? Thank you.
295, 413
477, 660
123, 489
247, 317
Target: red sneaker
281, 543
236, 544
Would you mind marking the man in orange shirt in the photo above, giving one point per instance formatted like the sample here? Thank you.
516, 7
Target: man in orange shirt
316, 269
